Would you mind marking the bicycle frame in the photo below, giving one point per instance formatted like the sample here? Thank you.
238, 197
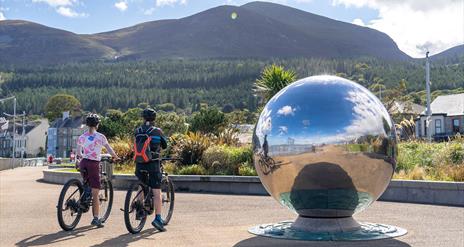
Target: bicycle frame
146, 189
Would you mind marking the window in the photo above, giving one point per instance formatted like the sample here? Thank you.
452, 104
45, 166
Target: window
425, 127
437, 126
456, 126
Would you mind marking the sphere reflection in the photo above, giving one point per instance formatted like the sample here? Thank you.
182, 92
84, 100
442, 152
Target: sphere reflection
325, 146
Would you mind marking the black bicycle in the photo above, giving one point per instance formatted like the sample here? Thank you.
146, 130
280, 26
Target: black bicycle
73, 202
139, 201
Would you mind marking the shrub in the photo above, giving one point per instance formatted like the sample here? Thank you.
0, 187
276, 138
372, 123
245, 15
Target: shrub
124, 168
170, 167
208, 120
431, 161
190, 147
192, 170
227, 137
215, 156
167, 107
123, 148
456, 153
171, 123
225, 160
246, 169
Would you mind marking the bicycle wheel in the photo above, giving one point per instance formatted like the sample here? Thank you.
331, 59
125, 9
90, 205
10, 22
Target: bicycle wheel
68, 208
134, 203
167, 196
106, 199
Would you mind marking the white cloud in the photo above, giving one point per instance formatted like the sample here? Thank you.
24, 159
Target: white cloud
417, 25
63, 7
2, 16
56, 3
358, 22
122, 6
68, 12
264, 125
149, 11
160, 3
286, 110
283, 130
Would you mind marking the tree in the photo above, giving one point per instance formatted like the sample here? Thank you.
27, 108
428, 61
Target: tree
273, 79
167, 107
114, 125
171, 123
208, 120
60, 103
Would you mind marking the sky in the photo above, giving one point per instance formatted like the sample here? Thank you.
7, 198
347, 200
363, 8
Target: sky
296, 112
415, 25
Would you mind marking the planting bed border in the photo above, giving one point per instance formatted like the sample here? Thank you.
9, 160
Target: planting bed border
428, 192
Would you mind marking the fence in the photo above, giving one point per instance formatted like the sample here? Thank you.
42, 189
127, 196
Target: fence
7, 163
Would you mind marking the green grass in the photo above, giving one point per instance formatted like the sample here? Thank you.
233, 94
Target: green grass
419, 160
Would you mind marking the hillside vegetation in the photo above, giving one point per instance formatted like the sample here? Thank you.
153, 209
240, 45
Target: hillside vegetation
186, 83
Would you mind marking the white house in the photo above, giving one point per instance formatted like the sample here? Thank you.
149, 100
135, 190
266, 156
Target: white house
447, 117
29, 144
36, 138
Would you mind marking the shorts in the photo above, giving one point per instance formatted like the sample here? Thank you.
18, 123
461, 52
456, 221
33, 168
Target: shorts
154, 174
92, 173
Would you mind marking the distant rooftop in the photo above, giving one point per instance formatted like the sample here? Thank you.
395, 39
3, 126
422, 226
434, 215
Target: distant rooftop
408, 108
451, 105
71, 122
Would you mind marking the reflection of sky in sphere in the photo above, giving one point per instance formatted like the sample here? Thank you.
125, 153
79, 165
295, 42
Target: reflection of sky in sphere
322, 109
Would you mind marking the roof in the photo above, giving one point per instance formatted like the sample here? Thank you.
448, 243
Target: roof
451, 105
19, 129
407, 107
72, 122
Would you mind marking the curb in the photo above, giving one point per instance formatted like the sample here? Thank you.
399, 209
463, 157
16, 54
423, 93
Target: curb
427, 192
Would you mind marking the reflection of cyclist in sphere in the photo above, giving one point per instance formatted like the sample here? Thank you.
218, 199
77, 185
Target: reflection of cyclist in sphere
265, 146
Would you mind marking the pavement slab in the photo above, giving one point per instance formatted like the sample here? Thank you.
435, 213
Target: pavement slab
28, 218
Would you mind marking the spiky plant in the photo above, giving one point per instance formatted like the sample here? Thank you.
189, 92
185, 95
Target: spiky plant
273, 79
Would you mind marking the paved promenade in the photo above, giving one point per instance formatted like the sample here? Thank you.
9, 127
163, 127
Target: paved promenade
28, 218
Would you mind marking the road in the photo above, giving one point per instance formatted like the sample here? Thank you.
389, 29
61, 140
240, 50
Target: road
28, 218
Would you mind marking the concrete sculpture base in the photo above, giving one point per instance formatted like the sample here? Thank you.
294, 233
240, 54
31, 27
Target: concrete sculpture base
327, 229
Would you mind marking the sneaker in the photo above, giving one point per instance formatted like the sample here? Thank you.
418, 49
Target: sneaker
96, 222
158, 224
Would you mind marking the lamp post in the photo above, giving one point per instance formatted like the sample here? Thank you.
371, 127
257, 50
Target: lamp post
14, 119
427, 87
23, 115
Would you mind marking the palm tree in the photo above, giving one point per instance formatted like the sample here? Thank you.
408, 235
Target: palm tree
273, 79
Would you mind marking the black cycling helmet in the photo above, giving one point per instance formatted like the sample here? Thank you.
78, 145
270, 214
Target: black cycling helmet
149, 114
92, 120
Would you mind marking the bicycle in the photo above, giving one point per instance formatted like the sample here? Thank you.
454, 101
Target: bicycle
72, 205
145, 204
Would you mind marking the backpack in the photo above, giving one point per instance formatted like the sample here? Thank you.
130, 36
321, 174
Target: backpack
142, 150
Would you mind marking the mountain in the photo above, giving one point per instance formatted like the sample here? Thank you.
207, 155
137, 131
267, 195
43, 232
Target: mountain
261, 30
23, 42
452, 54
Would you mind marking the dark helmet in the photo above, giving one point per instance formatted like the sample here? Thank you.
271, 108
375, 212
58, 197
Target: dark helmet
149, 114
92, 120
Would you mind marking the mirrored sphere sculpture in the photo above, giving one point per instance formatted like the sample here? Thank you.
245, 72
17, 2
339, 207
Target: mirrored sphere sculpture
325, 147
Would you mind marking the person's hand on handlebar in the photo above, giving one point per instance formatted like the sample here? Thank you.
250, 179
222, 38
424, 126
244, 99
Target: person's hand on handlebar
115, 157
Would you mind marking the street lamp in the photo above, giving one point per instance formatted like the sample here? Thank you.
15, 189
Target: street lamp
14, 120
23, 115
427, 88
